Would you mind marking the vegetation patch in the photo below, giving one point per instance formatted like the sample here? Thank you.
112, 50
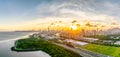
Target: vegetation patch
44, 45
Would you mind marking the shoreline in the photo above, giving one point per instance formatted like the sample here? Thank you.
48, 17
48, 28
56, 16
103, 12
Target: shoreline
27, 50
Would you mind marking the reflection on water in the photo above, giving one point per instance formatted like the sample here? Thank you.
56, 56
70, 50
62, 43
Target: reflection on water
5, 51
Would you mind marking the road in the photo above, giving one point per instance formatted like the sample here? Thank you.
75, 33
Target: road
83, 52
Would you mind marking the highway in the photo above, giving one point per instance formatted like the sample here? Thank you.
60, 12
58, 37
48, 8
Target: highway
83, 52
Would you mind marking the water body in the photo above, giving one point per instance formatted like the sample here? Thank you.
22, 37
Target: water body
7, 40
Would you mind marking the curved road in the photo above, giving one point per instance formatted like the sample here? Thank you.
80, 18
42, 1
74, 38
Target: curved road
83, 52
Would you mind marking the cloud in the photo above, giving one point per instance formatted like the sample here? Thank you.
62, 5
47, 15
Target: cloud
78, 9
104, 11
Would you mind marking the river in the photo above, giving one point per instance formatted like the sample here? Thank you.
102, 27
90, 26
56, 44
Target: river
7, 40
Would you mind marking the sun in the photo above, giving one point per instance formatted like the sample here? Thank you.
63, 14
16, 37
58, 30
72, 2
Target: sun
73, 27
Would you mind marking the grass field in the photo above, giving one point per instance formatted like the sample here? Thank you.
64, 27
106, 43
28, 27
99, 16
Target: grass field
107, 50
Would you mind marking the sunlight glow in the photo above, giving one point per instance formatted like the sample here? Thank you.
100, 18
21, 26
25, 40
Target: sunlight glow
73, 27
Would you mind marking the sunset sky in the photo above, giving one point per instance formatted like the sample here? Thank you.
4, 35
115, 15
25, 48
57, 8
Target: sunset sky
33, 14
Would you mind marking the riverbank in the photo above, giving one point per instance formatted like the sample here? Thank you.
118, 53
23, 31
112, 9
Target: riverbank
33, 44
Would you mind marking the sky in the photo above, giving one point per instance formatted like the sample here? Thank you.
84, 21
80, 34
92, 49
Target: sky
33, 14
